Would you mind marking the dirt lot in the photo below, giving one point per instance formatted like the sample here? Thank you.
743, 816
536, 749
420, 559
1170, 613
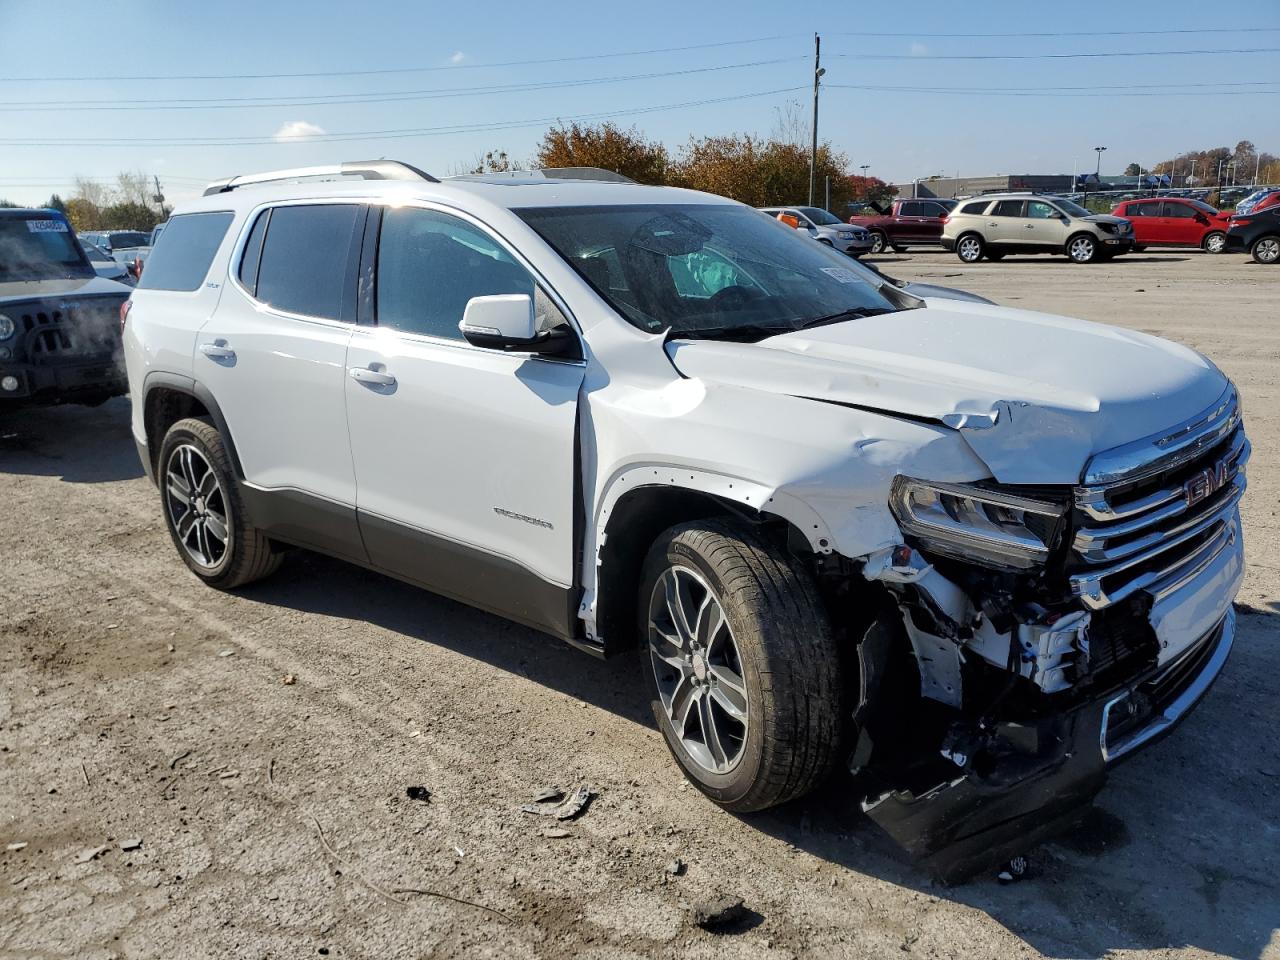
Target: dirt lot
137, 705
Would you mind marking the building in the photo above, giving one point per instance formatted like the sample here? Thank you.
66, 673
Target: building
951, 187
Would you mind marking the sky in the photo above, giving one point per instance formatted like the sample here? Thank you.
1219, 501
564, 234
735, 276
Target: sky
438, 84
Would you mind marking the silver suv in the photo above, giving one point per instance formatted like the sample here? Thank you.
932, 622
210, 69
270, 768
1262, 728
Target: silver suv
1004, 223
845, 533
825, 227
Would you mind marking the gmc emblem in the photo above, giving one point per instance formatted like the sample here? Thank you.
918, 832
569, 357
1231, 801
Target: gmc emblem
1205, 483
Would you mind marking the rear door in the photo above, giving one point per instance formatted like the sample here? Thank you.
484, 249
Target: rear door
1002, 226
1145, 225
274, 357
465, 457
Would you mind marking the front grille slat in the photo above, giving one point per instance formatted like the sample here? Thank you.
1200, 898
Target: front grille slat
1145, 528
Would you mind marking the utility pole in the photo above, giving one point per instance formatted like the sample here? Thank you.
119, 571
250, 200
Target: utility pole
828, 206
158, 196
1097, 173
813, 146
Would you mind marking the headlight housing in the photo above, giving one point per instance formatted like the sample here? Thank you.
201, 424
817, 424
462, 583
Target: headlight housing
6, 327
972, 523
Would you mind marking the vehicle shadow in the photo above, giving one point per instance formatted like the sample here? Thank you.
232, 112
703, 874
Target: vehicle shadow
1180, 850
78, 444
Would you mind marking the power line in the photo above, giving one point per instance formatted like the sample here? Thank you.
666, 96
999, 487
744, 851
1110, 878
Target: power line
388, 70
383, 96
1052, 56
384, 134
1119, 92
1062, 33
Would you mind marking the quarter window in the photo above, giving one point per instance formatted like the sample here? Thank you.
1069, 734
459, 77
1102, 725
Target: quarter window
430, 264
181, 260
252, 255
975, 208
306, 260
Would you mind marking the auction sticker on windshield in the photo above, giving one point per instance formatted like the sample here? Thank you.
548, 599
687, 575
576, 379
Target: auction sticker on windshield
46, 226
841, 274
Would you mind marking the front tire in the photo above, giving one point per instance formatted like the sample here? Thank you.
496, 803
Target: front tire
969, 248
743, 662
1266, 250
1082, 248
878, 241
203, 510
1215, 242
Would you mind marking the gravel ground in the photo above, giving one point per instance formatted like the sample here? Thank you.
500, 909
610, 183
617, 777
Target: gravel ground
273, 820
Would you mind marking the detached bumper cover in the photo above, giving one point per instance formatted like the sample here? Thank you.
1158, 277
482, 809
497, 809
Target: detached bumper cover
1042, 775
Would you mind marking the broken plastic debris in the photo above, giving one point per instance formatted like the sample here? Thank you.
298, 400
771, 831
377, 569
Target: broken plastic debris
17, 846
549, 795
131, 844
1014, 869
675, 868
418, 793
555, 833
567, 809
288, 679
93, 854
226, 653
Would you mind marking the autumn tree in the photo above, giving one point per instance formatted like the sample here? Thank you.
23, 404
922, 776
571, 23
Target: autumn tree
1132, 170
606, 146
760, 172
869, 190
494, 161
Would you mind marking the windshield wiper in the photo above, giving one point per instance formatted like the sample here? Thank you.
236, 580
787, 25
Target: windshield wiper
746, 332
853, 313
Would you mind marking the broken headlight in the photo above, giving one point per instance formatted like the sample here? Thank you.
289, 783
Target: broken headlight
974, 523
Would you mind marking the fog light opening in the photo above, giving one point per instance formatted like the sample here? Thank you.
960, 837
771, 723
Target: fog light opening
8, 384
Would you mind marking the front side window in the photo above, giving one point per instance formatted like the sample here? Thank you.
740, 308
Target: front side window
1071, 208
430, 264
819, 216
932, 210
705, 270
306, 261
1039, 210
1178, 210
181, 260
1136, 210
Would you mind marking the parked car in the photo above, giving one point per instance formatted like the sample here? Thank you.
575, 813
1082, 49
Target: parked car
156, 231
1259, 200
972, 555
999, 224
905, 223
825, 228
59, 321
104, 265
1258, 233
129, 247
1174, 222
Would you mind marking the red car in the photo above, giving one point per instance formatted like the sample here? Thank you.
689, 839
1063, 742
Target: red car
906, 222
1174, 222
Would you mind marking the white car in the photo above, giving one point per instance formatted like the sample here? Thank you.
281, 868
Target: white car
104, 265
824, 227
973, 555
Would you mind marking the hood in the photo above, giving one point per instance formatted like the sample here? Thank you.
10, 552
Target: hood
1105, 218
926, 291
16, 290
1034, 395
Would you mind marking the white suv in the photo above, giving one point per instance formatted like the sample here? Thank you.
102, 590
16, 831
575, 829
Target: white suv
970, 554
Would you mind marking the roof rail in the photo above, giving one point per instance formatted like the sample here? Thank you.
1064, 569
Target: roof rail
551, 173
364, 169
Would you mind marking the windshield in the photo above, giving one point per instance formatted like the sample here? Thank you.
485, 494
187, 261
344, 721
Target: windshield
40, 247
1203, 207
821, 217
706, 270
1071, 207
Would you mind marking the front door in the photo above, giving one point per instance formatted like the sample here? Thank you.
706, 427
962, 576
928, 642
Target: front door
1181, 226
1043, 225
464, 456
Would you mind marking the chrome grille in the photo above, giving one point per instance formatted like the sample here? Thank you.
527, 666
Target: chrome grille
1159, 510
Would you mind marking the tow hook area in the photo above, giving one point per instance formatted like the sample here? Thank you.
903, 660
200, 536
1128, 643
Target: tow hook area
1012, 786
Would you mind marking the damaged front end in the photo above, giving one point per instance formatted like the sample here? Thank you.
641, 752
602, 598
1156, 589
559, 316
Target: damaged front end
1033, 637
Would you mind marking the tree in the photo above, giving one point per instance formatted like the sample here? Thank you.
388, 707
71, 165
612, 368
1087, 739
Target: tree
869, 189
56, 203
495, 161
83, 215
128, 215
606, 146
1132, 170
760, 172
7, 204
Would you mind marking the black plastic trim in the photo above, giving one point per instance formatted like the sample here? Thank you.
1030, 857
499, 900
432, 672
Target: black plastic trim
305, 520
471, 575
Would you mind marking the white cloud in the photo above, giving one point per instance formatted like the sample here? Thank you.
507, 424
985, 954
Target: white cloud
296, 130
918, 49
458, 57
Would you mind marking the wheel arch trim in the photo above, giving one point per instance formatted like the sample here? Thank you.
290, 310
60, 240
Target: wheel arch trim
178, 383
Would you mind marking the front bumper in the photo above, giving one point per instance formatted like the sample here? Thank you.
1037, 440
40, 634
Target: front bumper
1236, 243
1044, 774
63, 381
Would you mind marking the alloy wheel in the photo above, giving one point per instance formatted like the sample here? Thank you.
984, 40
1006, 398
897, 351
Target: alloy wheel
1267, 250
1081, 249
877, 243
698, 669
1215, 242
970, 249
197, 506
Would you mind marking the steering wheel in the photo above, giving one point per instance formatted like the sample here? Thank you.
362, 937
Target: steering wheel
730, 298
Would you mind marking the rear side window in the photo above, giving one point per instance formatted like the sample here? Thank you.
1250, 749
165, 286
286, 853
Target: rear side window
306, 265
252, 255
1007, 208
975, 208
180, 261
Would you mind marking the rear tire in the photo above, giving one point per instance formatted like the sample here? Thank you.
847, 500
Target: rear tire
1265, 250
970, 248
204, 512
1082, 248
763, 675
1215, 242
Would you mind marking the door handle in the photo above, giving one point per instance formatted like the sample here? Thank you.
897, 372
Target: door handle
374, 378
218, 350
